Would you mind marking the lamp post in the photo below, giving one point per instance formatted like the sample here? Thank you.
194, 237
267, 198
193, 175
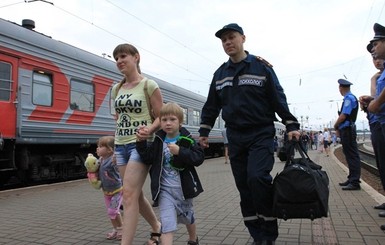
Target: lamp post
307, 120
301, 123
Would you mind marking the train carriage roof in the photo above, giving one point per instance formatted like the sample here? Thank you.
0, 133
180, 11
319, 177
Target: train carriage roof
19, 38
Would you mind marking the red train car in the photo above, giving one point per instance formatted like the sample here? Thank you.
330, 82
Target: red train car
55, 103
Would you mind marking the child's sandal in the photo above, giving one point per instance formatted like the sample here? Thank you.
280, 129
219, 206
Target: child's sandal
119, 234
155, 238
112, 235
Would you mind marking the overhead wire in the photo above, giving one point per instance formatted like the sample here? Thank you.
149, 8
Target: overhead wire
204, 79
320, 69
122, 38
362, 37
11, 4
161, 32
351, 62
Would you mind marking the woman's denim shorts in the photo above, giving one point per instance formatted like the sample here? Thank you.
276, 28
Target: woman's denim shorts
125, 153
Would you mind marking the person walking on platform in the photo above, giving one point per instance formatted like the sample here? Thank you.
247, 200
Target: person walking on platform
137, 101
111, 185
315, 139
174, 181
225, 145
374, 107
346, 128
249, 94
305, 140
320, 142
326, 141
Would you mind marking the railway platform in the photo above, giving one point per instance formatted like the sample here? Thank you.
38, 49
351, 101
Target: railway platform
74, 213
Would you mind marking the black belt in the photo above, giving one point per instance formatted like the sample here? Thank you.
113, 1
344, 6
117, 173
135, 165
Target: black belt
348, 127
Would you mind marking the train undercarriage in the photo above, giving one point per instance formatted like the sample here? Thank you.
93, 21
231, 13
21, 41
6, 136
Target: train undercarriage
28, 164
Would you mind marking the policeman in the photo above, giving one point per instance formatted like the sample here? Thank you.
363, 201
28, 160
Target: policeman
376, 104
346, 128
248, 92
378, 141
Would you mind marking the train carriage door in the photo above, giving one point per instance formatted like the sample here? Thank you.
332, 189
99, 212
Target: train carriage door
8, 100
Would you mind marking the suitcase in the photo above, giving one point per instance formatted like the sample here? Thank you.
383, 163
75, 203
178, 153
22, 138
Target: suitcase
301, 190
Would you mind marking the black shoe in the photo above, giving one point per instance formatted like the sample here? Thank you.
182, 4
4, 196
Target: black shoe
264, 242
344, 183
381, 214
382, 227
196, 242
382, 206
351, 187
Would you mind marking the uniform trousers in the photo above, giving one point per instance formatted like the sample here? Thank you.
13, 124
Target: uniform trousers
378, 141
350, 149
251, 153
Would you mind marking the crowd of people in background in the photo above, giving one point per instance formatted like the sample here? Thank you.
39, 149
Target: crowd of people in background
315, 140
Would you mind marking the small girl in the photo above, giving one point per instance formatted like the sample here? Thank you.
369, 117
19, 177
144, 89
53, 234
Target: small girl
111, 185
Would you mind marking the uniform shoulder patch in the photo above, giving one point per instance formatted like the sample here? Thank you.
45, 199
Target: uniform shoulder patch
264, 61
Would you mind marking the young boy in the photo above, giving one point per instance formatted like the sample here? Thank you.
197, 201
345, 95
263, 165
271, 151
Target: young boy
111, 184
174, 180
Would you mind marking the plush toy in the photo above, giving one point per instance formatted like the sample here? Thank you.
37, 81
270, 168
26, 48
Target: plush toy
92, 166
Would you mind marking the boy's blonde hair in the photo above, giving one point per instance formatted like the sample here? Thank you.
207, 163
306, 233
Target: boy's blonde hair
107, 141
172, 108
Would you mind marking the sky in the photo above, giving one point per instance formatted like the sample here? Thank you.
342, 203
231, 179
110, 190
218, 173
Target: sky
311, 44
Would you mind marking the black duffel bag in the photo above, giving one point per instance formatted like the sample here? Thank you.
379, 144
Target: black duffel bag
281, 153
301, 190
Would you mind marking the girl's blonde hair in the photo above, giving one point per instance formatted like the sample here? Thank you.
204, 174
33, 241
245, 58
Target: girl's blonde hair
172, 108
107, 141
126, 49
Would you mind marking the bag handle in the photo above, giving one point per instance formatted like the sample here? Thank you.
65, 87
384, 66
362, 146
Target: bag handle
295, 144
305, 159
148, 101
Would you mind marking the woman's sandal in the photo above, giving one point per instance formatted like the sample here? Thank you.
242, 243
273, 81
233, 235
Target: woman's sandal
196, 242
155, 238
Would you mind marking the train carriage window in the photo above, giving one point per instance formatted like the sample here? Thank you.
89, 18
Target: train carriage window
196, 118
5, 81
185, 116
42, 89
82, 96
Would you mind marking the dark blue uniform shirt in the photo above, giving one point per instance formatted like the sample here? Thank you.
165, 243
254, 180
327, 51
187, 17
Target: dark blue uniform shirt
249, 95
380, 86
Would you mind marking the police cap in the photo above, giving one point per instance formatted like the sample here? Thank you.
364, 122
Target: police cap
229, 27
344, 83
379, 32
